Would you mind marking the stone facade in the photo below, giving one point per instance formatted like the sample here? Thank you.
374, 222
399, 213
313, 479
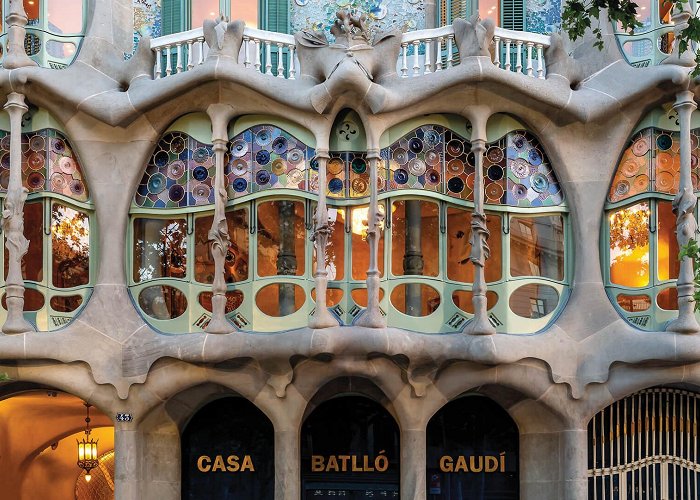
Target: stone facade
551, 383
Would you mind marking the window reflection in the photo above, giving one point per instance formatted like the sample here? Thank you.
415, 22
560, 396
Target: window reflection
281, 238
202, 10
534, 301
360, 247
415, 299
667, 251
160, 249
246, 10
237, 258
537, 246
280, 299
459, 267
415, 230
335, 250
33, 260
629, 245
32, 8
163, 302
64, 16
70, 247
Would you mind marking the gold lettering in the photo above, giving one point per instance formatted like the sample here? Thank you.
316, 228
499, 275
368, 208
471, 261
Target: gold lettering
461, 464
201, 463
232, 463
503, 461
355, 468
317, 463
219, 464
344, 460
491, 464
332, 464
247, 464
473, 467
381, 463
446, 464
367, 467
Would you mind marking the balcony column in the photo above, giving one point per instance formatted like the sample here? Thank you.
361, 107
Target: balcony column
16, 21
413, 256
322, 317
480, 324
372, 316
13, 221
684, 208
220, 115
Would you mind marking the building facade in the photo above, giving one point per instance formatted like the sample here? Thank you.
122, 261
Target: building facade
361, 250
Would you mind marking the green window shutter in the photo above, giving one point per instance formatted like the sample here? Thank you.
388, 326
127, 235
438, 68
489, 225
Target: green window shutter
275, 16
172, 16
449, 10
513, 14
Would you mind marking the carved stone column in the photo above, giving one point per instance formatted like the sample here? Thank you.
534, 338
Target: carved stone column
286, 257
413, 256
13, 221
480, 324
372, 317
219, 239
15, 21
679, 19
322, 317
684, 208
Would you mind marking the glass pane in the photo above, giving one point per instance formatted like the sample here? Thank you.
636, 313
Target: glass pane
643, 14
629, 245
280, 299
204, 9
537, 246
667, 251
247, 10
64, 16
668, 299
281, 238
360, 248
359, 296
160, 249
634, 303
66, 304
234, 299
33, 260
236, 263
333, 296
415, 299
335, 250
534, 301
62, 50
638, 48
70, 247
488, 9
33, 300
463, 300
665, 42
459, 267
162, 302
415, 234
32, 8
665, 7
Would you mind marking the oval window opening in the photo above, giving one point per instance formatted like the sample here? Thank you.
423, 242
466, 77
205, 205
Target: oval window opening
534, 301
359, 296
66, 303
668, 299
234, 299
634, 303
162, 302
415, 299
280, 299
333, 296
463, 300
33, 300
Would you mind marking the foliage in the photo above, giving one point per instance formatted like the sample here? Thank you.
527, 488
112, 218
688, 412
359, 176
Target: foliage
692, 251
629, 228
4, 377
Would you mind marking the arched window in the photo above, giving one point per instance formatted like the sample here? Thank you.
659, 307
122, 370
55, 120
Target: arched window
429, 196
269, 212
645, 442
58, 218
653, 42
642, 250
54, 32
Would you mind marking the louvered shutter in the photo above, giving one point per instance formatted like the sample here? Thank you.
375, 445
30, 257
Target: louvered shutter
172, 16
451, 10
513, 14
275, 16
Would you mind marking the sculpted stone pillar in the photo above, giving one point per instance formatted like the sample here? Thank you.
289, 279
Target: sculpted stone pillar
15, 21
480, 324
573, 464
684, 208
13, 221
322, 317
287, 471
128, 452
220, 114
413, 464
372, 316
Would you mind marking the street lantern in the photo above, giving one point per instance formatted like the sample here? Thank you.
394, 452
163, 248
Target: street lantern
87, 449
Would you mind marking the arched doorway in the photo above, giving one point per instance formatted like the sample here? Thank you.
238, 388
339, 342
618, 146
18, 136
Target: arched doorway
38, 432
472, 452
228, 452
350, 448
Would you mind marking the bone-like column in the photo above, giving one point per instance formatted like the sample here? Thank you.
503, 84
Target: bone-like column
684, 208
372, 316
16, 21
480, 324
322, 318
219, 239
13, 221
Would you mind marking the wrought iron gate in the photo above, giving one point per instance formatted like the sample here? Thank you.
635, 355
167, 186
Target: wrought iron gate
645, 447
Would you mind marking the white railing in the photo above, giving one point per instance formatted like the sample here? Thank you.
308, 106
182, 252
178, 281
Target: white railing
422, 52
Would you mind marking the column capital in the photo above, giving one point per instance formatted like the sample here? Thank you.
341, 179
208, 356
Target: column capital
374, 154
15, 100
323, 153
685, 98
